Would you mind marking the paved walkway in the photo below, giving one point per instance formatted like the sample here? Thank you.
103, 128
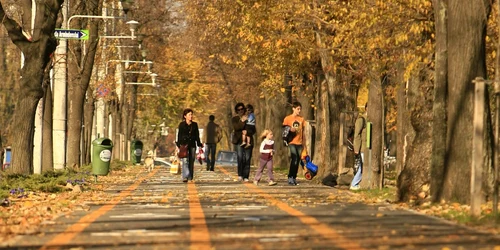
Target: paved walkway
159, 211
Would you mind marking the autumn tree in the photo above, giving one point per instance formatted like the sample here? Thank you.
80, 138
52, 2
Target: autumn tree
80, 63
461, 58
34, 36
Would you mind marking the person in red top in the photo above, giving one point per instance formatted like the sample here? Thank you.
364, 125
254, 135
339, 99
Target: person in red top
266, 157
296, 145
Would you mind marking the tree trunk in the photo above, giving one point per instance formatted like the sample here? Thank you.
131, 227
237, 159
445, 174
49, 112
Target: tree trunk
338, 95
24, 123
115, 124
79, 72
226, 123
322, 144
124, 126
414, 179
37, 48
373, 160
439, 108
132, 110
466, 29
402, 120
48, 148
88, 121
323, 156
277, 110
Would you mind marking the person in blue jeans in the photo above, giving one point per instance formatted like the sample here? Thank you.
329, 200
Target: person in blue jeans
297, 125
359, 148
188, 134
244, 154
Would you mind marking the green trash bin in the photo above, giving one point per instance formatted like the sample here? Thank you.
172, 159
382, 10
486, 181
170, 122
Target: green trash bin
101, 156
136, 151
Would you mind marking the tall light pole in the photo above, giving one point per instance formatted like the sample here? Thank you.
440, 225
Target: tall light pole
59, 92
59, 82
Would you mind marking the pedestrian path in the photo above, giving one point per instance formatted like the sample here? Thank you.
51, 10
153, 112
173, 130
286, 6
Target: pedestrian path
159, 211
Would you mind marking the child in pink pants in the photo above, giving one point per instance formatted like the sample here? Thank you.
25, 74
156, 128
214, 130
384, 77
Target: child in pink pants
266, 157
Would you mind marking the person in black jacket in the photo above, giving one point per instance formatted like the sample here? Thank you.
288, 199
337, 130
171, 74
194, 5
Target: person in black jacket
188, 134
244, 154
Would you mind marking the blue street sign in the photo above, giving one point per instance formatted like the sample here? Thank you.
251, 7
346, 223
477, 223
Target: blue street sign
71, 34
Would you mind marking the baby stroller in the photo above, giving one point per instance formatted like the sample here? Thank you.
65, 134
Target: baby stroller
310, 168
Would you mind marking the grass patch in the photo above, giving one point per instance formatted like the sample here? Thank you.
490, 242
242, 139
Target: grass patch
464, 217
386, 193
461, 217
19, 185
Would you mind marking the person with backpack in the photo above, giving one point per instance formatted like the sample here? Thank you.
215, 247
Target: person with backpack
213, 136
359, 148
297, 143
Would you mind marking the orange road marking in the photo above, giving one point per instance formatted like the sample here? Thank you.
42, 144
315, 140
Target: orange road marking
321, 228
200, 237
73, 230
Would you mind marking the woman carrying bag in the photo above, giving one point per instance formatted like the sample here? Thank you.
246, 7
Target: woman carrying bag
187, 139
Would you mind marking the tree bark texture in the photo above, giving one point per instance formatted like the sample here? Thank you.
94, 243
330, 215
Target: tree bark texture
373, 161
88, 122
48, 148
124, 125
439, 126
226, 125
336, 99
132, 110
10, 58
323, 143
466, 29
402, 121
414, 177
115, 125
277, 109
37, 44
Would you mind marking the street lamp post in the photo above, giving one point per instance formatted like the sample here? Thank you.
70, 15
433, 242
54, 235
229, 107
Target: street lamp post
59, 85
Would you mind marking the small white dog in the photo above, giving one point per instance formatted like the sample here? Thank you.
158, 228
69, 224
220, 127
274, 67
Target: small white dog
149, 161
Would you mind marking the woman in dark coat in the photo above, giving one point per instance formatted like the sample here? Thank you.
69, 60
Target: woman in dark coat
244, 154
190, 135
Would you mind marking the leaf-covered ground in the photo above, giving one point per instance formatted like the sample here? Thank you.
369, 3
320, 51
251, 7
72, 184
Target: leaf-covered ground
25, 214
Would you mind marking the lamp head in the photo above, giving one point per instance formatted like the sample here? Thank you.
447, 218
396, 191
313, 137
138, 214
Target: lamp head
153, 77
144, 54
133, 26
